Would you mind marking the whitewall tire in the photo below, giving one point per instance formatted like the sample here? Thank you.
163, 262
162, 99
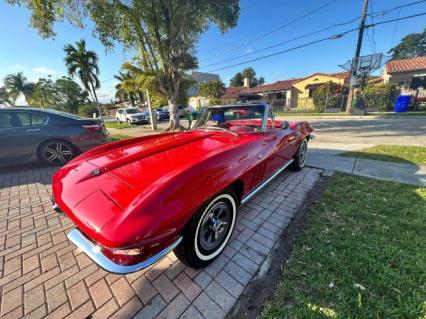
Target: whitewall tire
209, 231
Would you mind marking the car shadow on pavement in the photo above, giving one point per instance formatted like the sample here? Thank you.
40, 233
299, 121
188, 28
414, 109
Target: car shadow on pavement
24, 174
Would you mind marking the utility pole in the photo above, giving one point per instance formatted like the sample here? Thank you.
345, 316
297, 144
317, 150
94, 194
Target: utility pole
353, 78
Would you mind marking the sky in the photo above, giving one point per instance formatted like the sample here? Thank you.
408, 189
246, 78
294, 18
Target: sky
261, 24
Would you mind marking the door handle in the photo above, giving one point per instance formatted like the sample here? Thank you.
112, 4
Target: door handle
33, 130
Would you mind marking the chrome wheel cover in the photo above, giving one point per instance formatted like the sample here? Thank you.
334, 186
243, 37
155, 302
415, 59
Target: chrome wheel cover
215, 225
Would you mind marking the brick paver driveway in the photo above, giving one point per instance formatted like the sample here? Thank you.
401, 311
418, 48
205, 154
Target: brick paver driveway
43, 274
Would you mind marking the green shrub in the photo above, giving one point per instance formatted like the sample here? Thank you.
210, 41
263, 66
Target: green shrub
380, 96
87, 110
328, 95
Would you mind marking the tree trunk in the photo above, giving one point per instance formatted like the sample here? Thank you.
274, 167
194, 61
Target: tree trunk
140, 96
26, 99
174, 114
96, 99
152, 113
132, 99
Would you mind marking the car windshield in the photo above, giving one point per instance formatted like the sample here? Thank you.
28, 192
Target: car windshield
132, 111
236, 118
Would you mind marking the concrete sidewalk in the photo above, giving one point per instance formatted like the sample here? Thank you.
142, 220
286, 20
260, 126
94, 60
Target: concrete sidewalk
401, 173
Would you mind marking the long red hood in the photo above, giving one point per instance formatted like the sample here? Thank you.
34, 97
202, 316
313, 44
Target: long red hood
104, 183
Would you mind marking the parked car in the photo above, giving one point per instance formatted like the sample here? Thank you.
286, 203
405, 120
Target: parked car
131, 115
181, 111
162, 114
135, 200
50, 136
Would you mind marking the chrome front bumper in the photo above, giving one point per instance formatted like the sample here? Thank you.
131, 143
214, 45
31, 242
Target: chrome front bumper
91, 250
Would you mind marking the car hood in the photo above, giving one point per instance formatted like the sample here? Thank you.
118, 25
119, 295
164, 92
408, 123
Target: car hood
102, 183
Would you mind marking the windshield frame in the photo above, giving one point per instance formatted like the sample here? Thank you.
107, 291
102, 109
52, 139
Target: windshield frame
263, 126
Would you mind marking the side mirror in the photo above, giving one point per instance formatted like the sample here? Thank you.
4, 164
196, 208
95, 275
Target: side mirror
285, 125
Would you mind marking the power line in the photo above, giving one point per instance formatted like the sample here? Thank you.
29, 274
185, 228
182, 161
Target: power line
397, 19
244, 44
284, 42
383, 12
394, 30
335, 36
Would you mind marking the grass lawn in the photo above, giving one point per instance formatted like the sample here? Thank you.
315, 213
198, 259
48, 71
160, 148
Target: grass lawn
392, 153
117, 125
362, 254
118, 137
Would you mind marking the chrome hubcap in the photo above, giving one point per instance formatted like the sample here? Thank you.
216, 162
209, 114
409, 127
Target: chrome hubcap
215, 226
57, 153
302, 153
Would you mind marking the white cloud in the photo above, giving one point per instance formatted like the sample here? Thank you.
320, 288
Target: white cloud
249, 50
42, 69
18, 66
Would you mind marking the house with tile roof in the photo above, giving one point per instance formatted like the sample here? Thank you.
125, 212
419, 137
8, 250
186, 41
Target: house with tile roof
402, 72
285, 94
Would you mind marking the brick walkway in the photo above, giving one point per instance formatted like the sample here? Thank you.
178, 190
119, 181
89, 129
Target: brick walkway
43, 274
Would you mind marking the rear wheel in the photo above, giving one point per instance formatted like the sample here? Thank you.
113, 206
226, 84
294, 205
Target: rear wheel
208, 232
56, 152
299, 158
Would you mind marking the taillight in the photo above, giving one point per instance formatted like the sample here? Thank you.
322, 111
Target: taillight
92, 127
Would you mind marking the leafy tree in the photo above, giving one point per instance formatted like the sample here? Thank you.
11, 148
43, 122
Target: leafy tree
237, 80
212, 89
411, 46
44, 94
163, 32
64, 94
17, 84
83, 63
4, 97
124, 90
141, 80
70, 96
250, 73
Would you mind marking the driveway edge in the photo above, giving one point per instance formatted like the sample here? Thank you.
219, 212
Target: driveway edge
262, 287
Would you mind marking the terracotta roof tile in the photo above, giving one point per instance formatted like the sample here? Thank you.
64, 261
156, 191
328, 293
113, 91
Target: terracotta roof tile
236, 92
396, 66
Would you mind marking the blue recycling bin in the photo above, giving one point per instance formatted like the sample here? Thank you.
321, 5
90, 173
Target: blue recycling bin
402, 102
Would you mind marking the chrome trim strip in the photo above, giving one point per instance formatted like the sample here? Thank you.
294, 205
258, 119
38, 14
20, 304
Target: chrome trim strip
90, 249
265, 182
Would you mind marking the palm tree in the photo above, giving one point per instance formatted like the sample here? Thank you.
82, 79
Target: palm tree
122, 86
4, 97
83, 64
16, 84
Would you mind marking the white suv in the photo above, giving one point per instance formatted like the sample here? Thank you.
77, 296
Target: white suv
131, 115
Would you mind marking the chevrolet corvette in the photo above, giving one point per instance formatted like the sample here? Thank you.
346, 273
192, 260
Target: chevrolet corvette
133, 201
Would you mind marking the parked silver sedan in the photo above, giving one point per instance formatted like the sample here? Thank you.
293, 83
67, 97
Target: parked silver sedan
52, 137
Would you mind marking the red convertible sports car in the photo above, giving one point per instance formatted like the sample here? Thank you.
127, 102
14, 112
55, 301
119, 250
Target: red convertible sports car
135, 200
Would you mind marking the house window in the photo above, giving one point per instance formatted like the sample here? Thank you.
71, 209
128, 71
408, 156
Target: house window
311, 92
279, 96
